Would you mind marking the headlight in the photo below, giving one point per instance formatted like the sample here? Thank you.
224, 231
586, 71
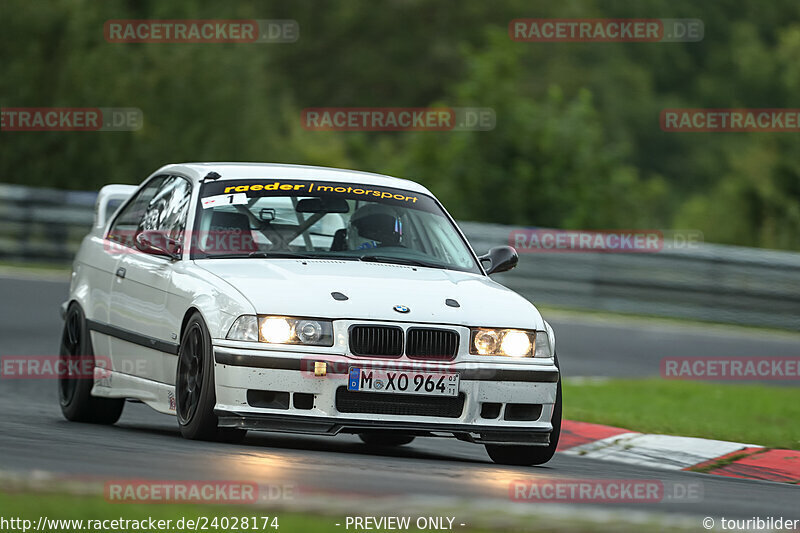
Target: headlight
282, 330
486, 341
276, 330
244, 329
542, 345
509, 342
517, 343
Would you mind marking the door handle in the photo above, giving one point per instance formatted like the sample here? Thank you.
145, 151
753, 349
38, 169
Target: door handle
121, 272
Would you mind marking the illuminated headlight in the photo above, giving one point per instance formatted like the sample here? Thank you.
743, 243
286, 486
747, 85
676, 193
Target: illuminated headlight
517, 343
276, 330
486, 341
508, 342
282, 330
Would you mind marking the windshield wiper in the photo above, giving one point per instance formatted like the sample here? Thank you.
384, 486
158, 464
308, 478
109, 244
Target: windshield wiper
280, 255
396, 260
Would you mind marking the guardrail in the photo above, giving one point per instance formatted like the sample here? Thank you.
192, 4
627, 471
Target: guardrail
709, 282
712, 282
43, 225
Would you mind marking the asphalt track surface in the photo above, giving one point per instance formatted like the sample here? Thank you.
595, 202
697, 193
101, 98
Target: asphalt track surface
144, 444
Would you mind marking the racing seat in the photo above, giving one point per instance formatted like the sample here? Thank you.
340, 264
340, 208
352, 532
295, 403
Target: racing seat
339, 243
229, 233
380, 227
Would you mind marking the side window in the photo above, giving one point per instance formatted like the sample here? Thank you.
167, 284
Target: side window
168, 209
124, 227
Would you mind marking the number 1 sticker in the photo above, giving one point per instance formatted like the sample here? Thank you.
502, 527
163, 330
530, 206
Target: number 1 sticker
238, 198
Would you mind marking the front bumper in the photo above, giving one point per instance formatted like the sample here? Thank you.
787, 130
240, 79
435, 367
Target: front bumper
240, 372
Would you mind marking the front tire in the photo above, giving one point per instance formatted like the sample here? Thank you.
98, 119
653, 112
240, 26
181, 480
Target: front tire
195, 396
75, 391
520, 455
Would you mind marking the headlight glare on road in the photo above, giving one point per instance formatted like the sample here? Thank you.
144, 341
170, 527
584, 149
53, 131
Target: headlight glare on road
508, 342
289, 330
245, 328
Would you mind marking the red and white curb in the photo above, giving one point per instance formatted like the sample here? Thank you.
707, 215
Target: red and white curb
669, 452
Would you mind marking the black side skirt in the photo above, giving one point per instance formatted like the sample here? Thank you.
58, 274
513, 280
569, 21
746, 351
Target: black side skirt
135, 338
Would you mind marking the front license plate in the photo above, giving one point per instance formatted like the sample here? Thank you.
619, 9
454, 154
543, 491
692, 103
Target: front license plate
399, 382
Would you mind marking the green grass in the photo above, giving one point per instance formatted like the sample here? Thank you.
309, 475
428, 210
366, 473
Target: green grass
31, 506
713, 465
549, 310
751, 414
54, 268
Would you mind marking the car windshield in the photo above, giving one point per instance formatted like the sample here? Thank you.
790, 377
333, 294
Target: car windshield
326, 220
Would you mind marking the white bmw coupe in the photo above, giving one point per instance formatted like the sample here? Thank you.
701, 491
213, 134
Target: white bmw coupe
305, 300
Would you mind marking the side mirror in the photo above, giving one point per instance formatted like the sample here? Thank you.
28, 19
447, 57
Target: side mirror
156, 243
500, 259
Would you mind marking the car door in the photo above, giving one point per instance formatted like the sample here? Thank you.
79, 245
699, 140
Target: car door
146, 343
118, 243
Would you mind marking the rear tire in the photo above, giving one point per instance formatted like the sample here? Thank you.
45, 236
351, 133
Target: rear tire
195, 395
75, 391
520, 455
385, 440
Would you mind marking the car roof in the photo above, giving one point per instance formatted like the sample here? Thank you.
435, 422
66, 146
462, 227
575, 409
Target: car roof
239, 171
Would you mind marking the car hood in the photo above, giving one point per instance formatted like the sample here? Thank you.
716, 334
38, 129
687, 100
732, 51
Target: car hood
297, 287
